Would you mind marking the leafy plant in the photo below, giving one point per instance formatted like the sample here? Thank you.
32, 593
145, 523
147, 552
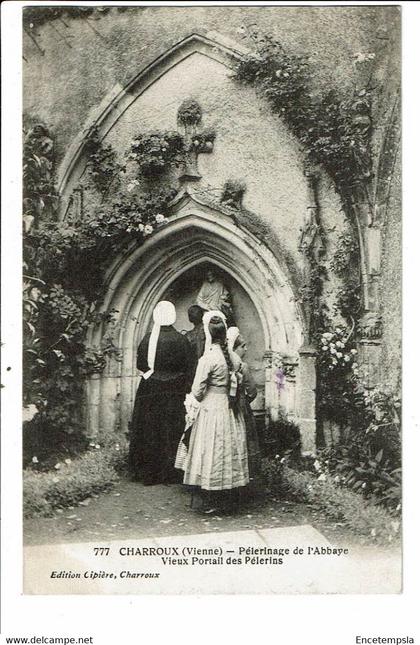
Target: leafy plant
369, 458
233, 192
39, 194
64, 267
102, 167
155, 152
34, 17
189, 112
320, 490
281, 438
73, 481
333, 129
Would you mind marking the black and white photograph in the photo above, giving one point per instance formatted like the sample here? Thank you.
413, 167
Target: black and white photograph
211, 267
212, 291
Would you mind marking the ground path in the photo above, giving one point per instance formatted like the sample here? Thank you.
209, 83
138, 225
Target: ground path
134, 511
138, 516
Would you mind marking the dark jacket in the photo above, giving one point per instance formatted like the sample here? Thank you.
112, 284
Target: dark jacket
197, 339
172, 361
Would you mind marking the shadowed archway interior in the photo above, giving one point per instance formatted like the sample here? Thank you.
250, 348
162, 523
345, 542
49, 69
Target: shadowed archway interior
183, 293
174, 256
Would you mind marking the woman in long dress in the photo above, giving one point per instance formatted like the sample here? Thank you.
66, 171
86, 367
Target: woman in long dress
164, 358
217, 457
247, 393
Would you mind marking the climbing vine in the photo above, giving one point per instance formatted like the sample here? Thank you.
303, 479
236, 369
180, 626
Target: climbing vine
34, 17
345, 264
333, 129
155, 152
102, 167
65, 263
39, 195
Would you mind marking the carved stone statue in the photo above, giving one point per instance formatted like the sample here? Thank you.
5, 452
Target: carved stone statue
310, 237
311, 242
362, 127
233, 192
213, 294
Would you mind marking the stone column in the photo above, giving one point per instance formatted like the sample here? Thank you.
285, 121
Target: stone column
370, 348
93, 395
271, 393
75, 206
110, 404
311, 243
306, 409
280, 385
368, 221
288, 397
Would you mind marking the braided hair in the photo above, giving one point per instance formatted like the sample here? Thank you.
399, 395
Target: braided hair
217, 331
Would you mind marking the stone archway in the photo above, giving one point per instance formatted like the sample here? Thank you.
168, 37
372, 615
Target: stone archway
119, 99
183, 292
199, 233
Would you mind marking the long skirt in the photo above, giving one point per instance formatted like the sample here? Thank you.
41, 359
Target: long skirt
217, 454
156, 428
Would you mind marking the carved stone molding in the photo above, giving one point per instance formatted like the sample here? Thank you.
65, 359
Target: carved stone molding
268, 359
386, 162
307, 350
105, 116
310, 233
370, 326
74, 211
287, 364
289, 368
189, 116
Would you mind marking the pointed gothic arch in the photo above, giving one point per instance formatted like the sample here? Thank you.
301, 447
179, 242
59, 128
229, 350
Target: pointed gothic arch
118, 100
195, 234
198, 233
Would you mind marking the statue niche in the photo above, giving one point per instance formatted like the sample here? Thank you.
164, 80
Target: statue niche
213, 294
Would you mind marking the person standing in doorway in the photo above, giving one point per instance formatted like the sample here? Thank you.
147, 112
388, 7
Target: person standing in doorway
216, 459
196, 336
164, 360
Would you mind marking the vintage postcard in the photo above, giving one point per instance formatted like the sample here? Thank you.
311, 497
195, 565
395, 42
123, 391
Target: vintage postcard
211, 252
211, 381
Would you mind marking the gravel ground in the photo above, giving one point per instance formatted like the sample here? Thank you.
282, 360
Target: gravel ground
134, 511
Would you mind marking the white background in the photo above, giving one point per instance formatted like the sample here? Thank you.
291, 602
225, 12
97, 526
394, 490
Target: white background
301, 620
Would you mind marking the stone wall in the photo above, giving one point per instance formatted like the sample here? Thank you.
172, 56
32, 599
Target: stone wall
97, 54
84, 59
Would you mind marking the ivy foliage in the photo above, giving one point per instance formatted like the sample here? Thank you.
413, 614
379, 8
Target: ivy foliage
102, 167
333, 129
34, 17
155, 152
65, 263
189, 112
233, 192
367, 455
345, 264
39, 194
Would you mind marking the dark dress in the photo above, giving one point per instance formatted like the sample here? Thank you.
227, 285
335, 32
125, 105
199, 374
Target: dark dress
159, 413
197, 339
